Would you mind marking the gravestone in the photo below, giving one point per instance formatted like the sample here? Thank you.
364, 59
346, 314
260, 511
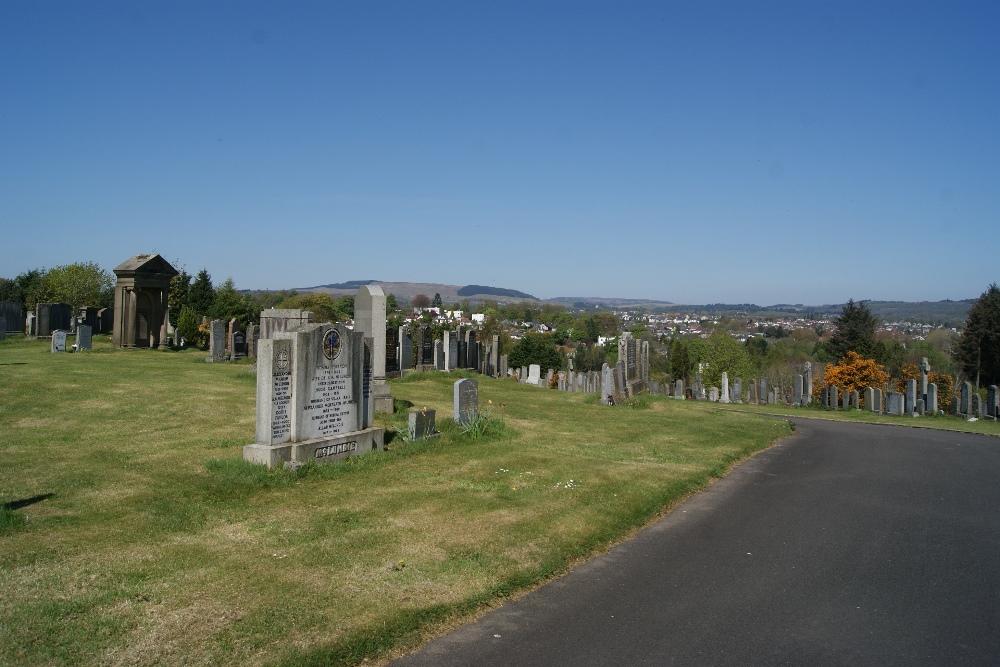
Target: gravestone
807, 389
405, 349
420, 424
797, 390
993, 401
607, 385
679, 390
503, 365
451, 353
534, 375
439, 355
931, 404
870, 399
58, 343
561, 381
494, 367
834, 395
369, 320
920, 406
217, 341
620, 388
11, 315
466, 401
895, 403
911, 397
845, 400
30, 325
965, 406
311, 398
84, 337
279, 320
752, 393
877, 407
925, 369
824, 396
713, 394
762, 393
239, 345
471, 350
106, 320
3, 328
426, 346
253, 336
738, 390
724, 397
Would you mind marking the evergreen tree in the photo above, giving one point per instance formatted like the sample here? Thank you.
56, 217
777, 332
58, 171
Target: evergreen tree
178, 295
680, 361
436, 301
855, 332
201, 295
979, 348
535, 348
187, 324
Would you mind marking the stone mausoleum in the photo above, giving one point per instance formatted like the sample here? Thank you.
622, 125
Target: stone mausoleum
141, 312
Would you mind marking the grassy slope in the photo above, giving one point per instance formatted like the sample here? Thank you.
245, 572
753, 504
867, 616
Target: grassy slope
159, 545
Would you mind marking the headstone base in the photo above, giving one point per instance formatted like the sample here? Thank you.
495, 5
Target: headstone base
318, 450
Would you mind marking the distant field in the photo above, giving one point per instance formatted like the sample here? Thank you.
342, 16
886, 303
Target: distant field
148, 540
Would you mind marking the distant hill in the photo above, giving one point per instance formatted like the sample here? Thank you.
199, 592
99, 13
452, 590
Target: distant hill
405, 291
478, 290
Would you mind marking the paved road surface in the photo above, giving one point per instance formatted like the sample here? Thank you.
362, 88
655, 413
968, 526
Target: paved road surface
848, 544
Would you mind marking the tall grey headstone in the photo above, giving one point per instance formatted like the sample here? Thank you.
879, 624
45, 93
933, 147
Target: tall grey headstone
911, 397
877, 407
925, 370
405, 349
738, 390
217, 340
797, 390
724, 397
807, 390
607, 385
895, 403
993, 401
870, 399
931, 404
965, 406
84, 337
466, 400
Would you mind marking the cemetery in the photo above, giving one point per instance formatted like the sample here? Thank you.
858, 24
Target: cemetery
343, 488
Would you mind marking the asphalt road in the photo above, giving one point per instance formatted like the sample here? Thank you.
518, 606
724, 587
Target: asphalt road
847, 544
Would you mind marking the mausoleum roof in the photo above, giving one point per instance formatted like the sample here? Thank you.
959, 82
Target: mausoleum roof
146, 264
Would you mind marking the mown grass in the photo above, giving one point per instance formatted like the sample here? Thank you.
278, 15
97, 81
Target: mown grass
940, 422
150, 541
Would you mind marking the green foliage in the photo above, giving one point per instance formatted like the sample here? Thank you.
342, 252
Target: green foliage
589, 357
890, 353
725, 354
201, 294
856, 327
979, 348
680, 360
230, 303
535, 348
436, 301
178, 295
80, 284
9, 290
486, 427
640, 402
607, 323
10, 520
320, 304
187, 324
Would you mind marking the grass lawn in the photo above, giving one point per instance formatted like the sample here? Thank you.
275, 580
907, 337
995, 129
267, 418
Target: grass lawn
940, 422
134, 534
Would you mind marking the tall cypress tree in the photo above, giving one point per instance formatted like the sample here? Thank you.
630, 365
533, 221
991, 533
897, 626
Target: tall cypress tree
856, 327
201, 295
979, 349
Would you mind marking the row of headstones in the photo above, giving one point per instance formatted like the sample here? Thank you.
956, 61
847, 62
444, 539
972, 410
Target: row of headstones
49, 317
229, 341
969, 404
407, 349
84, 339
465, 409
635, 355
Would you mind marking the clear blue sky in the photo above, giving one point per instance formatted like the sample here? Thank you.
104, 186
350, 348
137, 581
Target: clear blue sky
786, 152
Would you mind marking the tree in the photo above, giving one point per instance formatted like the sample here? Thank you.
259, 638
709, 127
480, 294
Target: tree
320, 304
535, 348
187, 325
80, 284
201, 295
607, 323
979, 347
420, 301
680, 362
436, 301
178, 295
725, 353
229, 303
856, 327
852, 373
390, 303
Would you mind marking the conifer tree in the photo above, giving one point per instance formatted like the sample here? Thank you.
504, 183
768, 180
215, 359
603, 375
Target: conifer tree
979, 349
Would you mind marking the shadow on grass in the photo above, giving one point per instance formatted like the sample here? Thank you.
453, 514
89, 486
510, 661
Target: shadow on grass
24, 502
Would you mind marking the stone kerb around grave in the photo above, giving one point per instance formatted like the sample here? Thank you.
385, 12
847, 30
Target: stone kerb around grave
311, 397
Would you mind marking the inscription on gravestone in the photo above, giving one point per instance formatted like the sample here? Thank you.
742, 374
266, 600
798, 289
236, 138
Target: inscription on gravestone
466, 400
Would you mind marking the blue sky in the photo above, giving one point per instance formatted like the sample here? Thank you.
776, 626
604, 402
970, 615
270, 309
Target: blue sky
767, 152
